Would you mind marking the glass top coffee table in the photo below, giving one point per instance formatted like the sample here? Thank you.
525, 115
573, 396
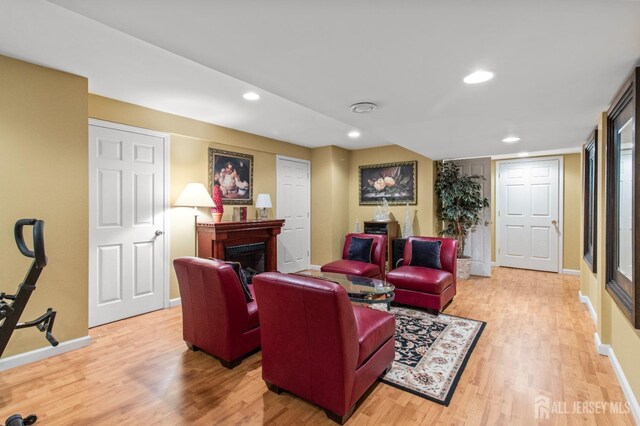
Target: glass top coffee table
359, 289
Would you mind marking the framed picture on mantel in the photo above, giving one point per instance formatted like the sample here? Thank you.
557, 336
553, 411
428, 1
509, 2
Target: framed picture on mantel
233, 172
395, 182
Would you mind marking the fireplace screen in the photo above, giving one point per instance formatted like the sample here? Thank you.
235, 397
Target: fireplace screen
250, 256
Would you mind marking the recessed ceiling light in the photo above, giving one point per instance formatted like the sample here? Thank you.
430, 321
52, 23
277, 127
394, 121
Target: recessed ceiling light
511, 139
523, 154
251, 96
363, 107
478, 77
354, 134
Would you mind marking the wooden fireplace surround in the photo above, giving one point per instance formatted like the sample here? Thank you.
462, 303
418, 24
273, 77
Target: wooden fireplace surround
213, 238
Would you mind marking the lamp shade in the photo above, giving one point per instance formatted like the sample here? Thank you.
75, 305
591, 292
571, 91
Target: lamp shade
263, 201
195, 195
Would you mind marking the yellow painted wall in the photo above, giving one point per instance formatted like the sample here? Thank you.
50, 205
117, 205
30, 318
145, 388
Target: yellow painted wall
612, 326
43, 170
572, 209
340, 161
190, 141
598, 296
438, 225
322, 250
572, 252
625, 342
329, 205
424, 222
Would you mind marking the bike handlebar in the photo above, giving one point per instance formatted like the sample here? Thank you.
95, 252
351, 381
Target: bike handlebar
38, 240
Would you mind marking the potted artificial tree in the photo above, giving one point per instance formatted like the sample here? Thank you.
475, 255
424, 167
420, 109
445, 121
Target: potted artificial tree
460, 206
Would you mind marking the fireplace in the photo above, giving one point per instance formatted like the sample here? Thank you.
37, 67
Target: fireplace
252, 243
250, 256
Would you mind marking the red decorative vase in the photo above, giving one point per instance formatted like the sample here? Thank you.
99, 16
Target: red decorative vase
217, 211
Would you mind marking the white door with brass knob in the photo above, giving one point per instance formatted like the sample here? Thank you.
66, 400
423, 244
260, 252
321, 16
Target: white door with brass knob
127, 205
528, 213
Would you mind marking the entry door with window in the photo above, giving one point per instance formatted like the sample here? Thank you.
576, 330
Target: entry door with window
126, 225
528, 214
293, 205
478, 244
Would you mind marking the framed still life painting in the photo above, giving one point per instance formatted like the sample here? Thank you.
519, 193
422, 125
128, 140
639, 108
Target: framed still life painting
233, 172
395, 182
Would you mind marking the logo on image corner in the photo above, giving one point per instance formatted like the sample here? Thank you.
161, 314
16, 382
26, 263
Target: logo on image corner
542, 407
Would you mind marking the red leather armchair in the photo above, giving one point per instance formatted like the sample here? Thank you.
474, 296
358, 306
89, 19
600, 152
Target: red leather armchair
425, 287
216, 317
317, 345
375, 269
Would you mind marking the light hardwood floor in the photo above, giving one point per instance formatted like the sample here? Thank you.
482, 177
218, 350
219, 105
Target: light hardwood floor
538, 341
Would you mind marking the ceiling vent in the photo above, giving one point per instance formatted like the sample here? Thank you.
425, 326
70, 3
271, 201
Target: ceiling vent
363, 107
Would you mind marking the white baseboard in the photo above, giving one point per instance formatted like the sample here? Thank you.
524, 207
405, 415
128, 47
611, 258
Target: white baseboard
585, 299
43, 353
314, 267
494, 264
601, 348
607, 350
175, 302
626, 388
571, 272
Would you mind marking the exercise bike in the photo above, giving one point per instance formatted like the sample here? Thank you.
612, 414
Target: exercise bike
12, 305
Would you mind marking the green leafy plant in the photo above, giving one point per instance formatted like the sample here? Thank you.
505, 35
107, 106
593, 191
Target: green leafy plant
460, 202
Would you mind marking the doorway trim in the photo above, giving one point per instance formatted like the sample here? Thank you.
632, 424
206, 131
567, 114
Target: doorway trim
560, 159
308, 162
165, 202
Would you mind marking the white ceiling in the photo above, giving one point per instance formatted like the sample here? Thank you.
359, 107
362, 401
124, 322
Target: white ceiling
557, 64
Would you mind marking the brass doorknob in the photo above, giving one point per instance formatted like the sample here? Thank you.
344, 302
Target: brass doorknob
554, 222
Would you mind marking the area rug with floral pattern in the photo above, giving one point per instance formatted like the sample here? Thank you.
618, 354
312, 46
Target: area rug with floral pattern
431, 352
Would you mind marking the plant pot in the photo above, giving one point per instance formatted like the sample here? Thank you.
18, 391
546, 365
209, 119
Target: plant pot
463, 267
217, 217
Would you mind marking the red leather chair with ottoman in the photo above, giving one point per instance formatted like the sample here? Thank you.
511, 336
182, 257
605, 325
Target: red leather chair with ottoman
218, 316
317, 345
362, 255
427, 277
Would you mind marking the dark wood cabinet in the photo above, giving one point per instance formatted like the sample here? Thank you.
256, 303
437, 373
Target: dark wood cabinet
388, 228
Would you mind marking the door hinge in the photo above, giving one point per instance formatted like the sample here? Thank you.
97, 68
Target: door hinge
307, 215
307, 253
498, 251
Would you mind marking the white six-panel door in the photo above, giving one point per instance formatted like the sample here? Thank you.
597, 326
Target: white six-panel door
126, 250
478, 244
528, 214
293, 205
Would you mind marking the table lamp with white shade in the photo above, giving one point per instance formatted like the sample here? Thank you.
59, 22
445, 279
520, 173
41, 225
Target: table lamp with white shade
263, 202
195, 195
